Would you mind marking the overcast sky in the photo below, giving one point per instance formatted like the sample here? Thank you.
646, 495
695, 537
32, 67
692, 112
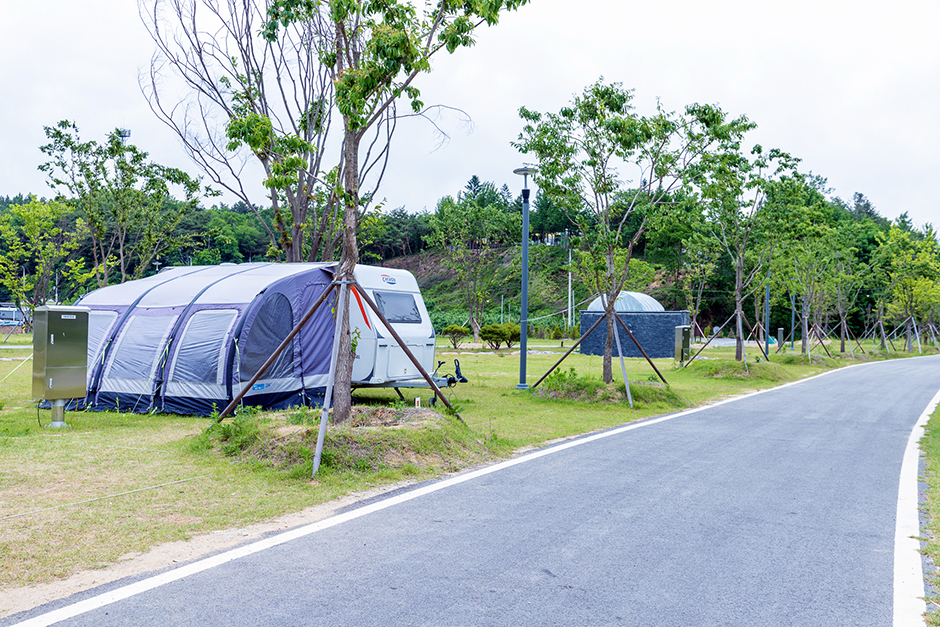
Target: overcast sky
852, 88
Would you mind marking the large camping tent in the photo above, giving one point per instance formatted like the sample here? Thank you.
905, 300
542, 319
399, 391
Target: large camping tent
188, 339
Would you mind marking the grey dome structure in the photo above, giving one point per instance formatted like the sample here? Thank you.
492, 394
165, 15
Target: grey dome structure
649, 322
628, 302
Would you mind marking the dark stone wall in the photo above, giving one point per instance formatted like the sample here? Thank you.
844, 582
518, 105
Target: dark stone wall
654, 330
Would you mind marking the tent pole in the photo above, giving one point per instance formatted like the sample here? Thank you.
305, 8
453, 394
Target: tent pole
276, 353
328, 395
424, 373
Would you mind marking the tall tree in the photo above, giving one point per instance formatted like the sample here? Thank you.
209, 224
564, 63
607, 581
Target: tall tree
472, 237
249, 103
124, 198
910, 265
374, 51
745, 199
40, 249
580, 153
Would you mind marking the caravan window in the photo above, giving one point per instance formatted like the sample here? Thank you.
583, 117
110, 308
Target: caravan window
200, 353
398, 306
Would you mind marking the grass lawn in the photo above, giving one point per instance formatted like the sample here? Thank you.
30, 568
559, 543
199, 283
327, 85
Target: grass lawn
116, 484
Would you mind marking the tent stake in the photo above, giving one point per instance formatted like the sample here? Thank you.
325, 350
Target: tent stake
276, 353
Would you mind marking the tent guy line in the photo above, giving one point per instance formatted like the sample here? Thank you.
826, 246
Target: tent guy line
907, 590
101, 498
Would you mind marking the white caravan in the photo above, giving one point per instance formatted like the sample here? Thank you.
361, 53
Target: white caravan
380, 361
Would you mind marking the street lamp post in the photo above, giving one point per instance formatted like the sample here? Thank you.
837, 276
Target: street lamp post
524, 312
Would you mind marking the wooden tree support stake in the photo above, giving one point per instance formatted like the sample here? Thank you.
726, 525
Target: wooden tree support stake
570, 350
709, 340
617, 318
752, 330
277, 352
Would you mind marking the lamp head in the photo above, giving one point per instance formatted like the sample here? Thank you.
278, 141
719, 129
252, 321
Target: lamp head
525, 172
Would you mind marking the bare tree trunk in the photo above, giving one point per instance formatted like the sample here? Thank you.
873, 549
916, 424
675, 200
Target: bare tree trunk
804, 320
609, 345
739, 308
842, 328
342, 400
908, 332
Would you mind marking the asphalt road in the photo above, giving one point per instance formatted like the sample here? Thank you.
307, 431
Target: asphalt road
775, 509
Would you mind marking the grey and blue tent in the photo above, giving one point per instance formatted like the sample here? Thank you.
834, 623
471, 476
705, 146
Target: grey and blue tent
188, 339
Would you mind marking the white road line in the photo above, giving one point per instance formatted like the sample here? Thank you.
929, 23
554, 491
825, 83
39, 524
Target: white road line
162, 579
909, 604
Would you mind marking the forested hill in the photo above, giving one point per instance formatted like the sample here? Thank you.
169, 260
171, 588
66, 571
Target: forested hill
548, 285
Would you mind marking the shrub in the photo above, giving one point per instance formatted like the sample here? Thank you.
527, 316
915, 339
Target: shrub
513, 333
454, 333
495, 335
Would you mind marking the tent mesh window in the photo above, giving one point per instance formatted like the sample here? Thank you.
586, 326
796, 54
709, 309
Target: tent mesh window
272, 324
398, 307
200, 354
99, 323
137, 353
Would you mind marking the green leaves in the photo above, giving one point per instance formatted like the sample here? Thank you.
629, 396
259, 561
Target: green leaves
40, 241
125, 199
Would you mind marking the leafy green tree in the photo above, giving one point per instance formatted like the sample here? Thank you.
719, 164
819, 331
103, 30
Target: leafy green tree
375, 51
910, 266
805, 269
495, 335
251, 103
454, 333
746, 201
472, 237
580, 152
41, 242
700, 263
548, 218
403, 234
848, 277
124, 199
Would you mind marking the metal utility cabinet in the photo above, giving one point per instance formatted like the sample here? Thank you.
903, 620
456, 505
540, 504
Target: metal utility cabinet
60, 356
683, 342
